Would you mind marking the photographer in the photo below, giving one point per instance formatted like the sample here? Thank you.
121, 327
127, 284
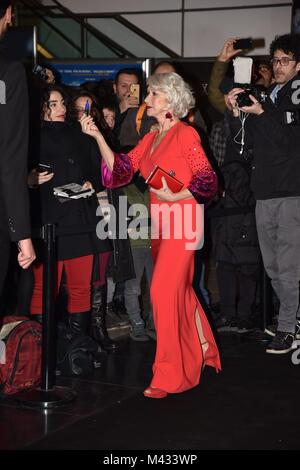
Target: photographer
272, 130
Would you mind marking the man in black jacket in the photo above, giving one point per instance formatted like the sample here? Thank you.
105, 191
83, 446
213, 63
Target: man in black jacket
14, 205
272, 130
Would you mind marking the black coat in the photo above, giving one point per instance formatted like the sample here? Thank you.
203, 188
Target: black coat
275, 146
14, 202
75, 158
234, 234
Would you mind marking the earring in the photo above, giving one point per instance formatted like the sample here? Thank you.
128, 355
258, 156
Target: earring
168, 115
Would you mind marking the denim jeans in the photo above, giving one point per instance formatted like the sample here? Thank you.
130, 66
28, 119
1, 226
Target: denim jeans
142, 262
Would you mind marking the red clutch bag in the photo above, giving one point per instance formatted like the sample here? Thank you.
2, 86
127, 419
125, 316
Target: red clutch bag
155, 180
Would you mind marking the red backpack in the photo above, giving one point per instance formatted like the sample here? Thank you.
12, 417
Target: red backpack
20, 354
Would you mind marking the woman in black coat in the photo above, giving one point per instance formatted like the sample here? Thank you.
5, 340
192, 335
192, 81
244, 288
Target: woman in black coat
73, 158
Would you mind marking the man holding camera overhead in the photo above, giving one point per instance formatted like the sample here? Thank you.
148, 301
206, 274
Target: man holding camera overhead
14, 205
272, 130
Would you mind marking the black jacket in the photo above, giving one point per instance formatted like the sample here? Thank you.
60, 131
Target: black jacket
14, 202
75, 158
275, 146
234, 235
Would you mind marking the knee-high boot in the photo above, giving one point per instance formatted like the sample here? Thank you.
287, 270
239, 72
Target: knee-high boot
79, 323
98, 324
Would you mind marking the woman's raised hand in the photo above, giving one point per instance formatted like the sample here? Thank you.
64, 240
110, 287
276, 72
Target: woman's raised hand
88, 126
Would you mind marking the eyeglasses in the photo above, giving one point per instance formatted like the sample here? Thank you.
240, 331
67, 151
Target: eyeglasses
284, 61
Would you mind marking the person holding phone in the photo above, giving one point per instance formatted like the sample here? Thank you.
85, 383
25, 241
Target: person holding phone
14, 116
74, 158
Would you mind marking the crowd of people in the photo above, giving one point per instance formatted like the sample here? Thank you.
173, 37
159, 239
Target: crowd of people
101, 136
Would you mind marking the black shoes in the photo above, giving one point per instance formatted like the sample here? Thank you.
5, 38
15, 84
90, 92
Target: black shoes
226, 324
272, 329
116, 317
282, 343
98, 323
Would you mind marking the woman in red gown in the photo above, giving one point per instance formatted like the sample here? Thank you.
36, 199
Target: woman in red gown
185, 342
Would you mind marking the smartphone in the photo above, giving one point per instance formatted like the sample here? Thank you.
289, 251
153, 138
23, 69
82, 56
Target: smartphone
42, 167
135, 91
41, 72
246, 43
87, 108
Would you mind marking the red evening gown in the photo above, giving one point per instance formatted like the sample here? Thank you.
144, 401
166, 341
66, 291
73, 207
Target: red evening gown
185, 341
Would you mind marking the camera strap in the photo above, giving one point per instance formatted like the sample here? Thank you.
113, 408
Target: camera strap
243, 116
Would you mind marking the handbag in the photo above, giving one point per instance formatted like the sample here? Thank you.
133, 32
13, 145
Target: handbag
155, 180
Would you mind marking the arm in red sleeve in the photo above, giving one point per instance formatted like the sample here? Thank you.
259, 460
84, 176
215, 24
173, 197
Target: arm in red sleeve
204, 182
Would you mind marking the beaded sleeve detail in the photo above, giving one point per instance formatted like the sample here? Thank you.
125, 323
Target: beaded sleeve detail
136, 154
121, 174
204, 182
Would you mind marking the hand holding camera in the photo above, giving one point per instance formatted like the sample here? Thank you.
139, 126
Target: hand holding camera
241, 99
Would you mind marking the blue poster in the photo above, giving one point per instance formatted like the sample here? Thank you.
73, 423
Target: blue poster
74, 74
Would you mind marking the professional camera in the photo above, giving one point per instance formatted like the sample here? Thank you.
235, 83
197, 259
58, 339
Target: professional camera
257, 91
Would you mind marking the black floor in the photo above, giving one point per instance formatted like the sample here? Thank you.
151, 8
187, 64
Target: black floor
251, 404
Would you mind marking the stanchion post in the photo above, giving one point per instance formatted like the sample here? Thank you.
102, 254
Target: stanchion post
48, 395
49, 276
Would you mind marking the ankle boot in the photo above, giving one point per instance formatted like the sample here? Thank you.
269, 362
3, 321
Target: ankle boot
79, 323
98, 324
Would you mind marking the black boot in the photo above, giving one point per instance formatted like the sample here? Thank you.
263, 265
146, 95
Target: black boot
98, 324
79, 323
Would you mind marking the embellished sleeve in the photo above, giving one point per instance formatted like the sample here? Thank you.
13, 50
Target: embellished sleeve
204, 182
121, 174
124, 167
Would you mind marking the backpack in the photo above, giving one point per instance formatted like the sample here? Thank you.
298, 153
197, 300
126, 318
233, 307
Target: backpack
77, 355
21, 348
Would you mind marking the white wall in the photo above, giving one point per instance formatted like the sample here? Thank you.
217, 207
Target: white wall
205, 31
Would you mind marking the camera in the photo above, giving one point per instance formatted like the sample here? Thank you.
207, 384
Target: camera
40, 72
257, 91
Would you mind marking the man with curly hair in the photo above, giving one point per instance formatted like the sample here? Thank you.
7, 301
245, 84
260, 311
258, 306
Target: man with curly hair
272, 131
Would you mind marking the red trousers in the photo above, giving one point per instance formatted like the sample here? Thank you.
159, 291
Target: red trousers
78, 278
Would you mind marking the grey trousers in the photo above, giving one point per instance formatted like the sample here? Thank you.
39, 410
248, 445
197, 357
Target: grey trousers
278, 228
142, 262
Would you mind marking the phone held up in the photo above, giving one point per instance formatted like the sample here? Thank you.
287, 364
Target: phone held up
135, 91
40, 72
245, 43
42, 167
87, 108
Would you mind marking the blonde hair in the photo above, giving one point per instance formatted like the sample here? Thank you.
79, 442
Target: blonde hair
178, 93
